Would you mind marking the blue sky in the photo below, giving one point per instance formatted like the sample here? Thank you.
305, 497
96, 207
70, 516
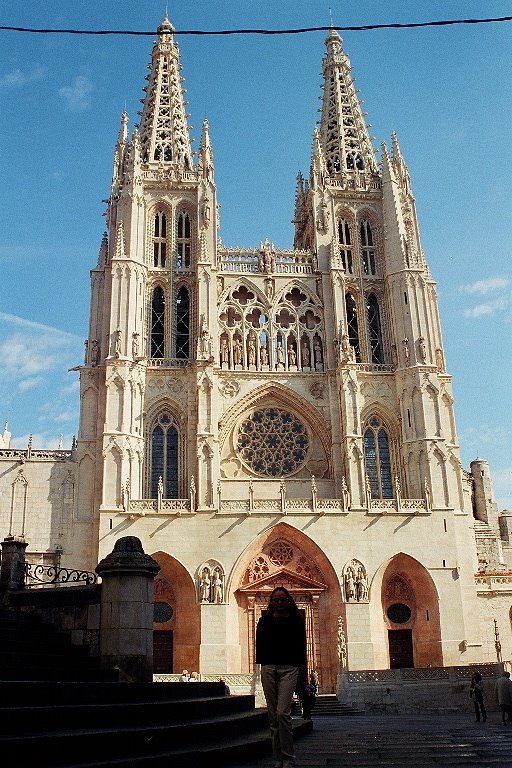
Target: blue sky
446, 91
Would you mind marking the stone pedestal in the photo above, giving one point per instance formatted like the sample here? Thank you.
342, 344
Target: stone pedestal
218, 630
126, 629
12, 573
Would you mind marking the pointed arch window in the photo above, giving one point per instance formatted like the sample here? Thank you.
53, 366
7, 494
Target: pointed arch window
160, 239
345, 241
157, 331
378, 460
374, 330
183, 241
353, 328
183, 324
164, 458
367, 248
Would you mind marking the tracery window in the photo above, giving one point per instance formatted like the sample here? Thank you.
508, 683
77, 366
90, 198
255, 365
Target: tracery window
367, 248
378, 460
352, 324
345, 242
374, 330
164, 459
160, 239
157, 331
273, 442
182, 324
183, 241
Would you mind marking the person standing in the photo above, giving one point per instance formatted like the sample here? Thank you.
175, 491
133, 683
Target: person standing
504, 696
477, 694
281, 650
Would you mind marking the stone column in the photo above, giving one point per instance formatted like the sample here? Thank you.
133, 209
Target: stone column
126, 623
12, 573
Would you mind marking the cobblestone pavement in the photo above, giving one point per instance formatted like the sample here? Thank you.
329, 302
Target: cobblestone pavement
413, 741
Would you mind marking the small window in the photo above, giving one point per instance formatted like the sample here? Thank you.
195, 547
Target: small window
367, 248
182, 324
157, 334
345, 242
183, 241
160, 240
353, 328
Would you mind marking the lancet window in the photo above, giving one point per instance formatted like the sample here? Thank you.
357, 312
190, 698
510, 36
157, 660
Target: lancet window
368, 255
353, 326
345, 242
257, 336
164, 457
183, 324
378, 459
374, 330
183, 241
157, 323
160, 239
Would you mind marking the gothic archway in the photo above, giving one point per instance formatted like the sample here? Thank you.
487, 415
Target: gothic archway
284, 556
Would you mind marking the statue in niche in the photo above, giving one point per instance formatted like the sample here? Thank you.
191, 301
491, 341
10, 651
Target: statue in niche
95, 352
135, 345
422, 349
345, 348
220, 285
224, 351
86, 350
305, 354
269, 288
292, 356
264, 355
439, 360
280, 353
205, 343
251, 351
361, 586
405, 348
346, 494
217, 587
428, 494
318, 351
394, 355
204, 586
237, 351
206, 213
117, 344
350, 585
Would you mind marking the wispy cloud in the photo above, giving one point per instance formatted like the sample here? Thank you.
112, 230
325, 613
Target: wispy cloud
487, 308
483, 287
77, 95
30, 324
17, 78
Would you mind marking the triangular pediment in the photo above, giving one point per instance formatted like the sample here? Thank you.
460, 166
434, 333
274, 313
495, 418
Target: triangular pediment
286, 578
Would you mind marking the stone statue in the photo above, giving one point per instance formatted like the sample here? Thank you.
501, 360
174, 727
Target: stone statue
217, 587
439, 360
361, 586
237, 352
135, 345
341, 643
405, 347
292, 356
394, 355
346, 494
86, 350
251, 351
224, 351
280, 354
95, 351
117, 343
206, 213
422, 349
428, 494
305, 354
263, 356
350, 585
205, 346
318, 351
204, 586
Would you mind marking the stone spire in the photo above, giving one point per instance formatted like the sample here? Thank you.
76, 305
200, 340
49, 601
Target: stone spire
164, 133
205, 154
119, 154
344, 134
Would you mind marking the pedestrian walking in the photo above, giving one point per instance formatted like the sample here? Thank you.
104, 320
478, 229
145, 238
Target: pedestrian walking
281, 650
504, 696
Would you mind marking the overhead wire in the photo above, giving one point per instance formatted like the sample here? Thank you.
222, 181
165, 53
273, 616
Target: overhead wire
301, 30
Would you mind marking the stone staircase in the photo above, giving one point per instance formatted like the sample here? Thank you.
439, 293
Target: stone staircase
143, 725
328, 705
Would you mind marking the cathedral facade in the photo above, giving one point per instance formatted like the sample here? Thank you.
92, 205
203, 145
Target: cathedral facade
263, 417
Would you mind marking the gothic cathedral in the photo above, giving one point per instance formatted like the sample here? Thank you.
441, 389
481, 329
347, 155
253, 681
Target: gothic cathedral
261, 416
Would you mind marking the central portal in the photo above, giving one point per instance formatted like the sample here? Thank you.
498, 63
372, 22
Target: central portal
400, 648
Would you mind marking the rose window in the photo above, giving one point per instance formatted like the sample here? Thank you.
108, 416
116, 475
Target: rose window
273, 442
280, 553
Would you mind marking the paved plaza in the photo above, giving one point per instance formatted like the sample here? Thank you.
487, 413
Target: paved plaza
409, 741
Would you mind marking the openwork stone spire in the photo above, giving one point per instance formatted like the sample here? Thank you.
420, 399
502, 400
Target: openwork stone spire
164, 136
343, 133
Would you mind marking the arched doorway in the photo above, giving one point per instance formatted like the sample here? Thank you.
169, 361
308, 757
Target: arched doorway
284, 556
409, 605
177, 625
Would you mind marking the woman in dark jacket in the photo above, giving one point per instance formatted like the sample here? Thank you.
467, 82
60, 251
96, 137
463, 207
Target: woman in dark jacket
281, 650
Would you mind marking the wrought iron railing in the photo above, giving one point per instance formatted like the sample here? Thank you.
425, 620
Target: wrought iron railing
38, 575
